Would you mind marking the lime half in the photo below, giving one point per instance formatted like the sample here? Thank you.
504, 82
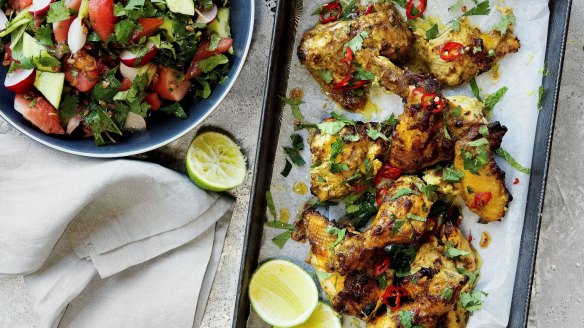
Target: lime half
283, 294
322, 317
215, 162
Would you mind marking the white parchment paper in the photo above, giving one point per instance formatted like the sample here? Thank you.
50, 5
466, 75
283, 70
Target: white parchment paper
521, 73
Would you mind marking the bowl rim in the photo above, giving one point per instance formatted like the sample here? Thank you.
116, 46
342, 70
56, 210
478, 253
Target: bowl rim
164, 142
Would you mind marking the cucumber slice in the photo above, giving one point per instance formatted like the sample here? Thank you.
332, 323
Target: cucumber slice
186, 7
220, 25
50, 85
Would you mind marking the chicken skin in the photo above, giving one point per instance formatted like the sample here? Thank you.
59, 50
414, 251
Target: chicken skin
322, 48
341, 161
479, 52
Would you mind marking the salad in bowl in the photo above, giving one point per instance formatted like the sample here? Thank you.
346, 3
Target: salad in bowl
105, 68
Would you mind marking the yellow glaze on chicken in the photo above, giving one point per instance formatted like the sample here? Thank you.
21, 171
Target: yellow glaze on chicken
356, 157
481, 51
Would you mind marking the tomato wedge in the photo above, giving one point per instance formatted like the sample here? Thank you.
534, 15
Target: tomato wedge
203, 52
149, 27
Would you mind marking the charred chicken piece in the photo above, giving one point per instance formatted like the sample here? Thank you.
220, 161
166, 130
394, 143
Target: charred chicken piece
456, 57
436, 282
419, 140
402, 215
342, 160
348, 271
323, 48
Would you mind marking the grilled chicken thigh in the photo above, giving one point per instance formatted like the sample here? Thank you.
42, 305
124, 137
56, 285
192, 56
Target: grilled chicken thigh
341, 161
479, 53
322, 48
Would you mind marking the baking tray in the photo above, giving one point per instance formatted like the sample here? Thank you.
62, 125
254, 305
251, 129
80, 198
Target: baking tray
285, 29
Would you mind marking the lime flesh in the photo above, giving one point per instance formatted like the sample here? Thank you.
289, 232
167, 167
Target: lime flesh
322, 317
282, 293
214, 162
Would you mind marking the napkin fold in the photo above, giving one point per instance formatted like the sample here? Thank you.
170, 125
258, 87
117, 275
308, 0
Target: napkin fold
95, 219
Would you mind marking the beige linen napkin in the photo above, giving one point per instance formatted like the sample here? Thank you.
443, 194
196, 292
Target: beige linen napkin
112, 214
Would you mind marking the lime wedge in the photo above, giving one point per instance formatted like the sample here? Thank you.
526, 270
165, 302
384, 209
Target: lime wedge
283, 294
215, 162
322, 317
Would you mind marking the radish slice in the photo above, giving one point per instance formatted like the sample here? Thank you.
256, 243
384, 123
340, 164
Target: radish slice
135, 122
205, 17
20, 80
77, 35
73, 123
128, 72
129, 58
40, 6
3, 20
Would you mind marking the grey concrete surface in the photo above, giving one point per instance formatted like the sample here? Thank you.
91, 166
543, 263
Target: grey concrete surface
557, 298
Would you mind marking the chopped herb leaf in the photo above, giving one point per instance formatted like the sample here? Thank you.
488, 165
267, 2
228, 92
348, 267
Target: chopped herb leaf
323, 275
432, 33
391, 120
176, 110
375, 134
356, 43
340, 117
44, 35
331, 127
68, 108
503, 153
503, 25
270, 204
415, 217
279, 225
541, 95
287, 168
403, 192
209, 64
447, 293
294, 156
482, 8
281, 239
326, 75
453, 252
456, 111
58, 11
362, 74
401, 258
450, 174
297, 141
471, 301
397, 224
492, 100
475, 89
472, 276
336, 231
295, 105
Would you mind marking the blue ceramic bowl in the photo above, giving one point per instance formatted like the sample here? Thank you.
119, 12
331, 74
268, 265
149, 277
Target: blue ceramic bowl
164, 130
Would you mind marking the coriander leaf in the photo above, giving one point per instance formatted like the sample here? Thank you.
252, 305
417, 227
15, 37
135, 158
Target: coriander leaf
108, 87
336, 148
175, 109
456, 111
123, 30
280, 225
294, 156
68, 108
541, 95
403, 192
475, 89
416, 217
336, 231
207, 65
44, 35
356, 43
428, 190
482, 8
362, 74
352, 137
326, 75
101, 124
295, 105
406, 318
58, 11
348, 9
479, 142
401, 3
450, 174
432, 33
287, 168
281, 239
492, 100
503, 153
401, 257
447, 293
452, 252
472, 276
471, 301
391, 120
331, 127
338, 167
484, 130
270, 204
503, 25
455, 25
297, 141
323, 275
396, 226
134, 4
375, 134
340, 117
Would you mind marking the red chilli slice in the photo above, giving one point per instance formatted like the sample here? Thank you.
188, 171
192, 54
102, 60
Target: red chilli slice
380, 195
387, 172
369, 9
481, 199
433, 101
451, 50
393, 293
348, 59
331, 12
382, 266
419, 9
